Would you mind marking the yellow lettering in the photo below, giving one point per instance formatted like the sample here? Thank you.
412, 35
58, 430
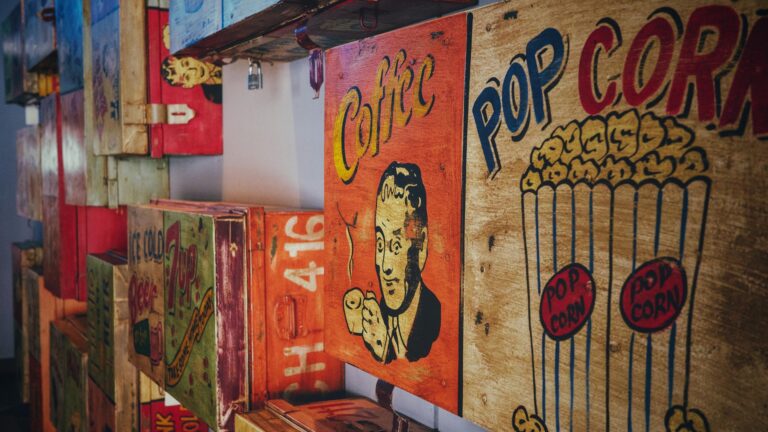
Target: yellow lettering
164, 423
379, 130
350, 102
374, 120
402, 84
420, 106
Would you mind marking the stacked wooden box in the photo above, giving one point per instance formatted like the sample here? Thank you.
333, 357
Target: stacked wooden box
206, 301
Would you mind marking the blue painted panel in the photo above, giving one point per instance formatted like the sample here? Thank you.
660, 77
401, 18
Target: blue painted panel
102, 8
69, 38
38, 34
192, 20
237, 10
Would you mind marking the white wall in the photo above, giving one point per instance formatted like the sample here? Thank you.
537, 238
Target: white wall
273, 154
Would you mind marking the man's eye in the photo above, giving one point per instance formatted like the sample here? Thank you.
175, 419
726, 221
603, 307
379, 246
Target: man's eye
396, 247
380, 245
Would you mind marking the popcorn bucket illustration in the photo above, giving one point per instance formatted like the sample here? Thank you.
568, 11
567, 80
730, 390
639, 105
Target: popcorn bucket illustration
614, 210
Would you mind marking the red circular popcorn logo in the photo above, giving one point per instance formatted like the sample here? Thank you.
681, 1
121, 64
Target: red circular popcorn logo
567, 301
654, 295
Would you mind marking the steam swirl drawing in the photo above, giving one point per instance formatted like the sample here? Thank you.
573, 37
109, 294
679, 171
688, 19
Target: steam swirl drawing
614, 211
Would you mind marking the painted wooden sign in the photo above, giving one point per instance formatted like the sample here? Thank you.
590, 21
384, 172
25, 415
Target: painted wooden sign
29, 186
119, 64
70, 15
289, 306
393, 190
614, 288
43, 308
69, 374
39, 34
286, 258
159, 413
144, 100
146, 290
193, 20
108, 328
23, 256
20, 86
204, 329
182, 80
262, 420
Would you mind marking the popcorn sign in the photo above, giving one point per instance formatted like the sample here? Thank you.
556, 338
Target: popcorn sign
614, 165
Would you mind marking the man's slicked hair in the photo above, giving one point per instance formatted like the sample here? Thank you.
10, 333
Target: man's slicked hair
409, 187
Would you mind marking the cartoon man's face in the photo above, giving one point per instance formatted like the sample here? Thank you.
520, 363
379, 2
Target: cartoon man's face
400, 246
186, 72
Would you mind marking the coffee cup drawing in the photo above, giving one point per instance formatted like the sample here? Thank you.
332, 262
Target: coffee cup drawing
353, 310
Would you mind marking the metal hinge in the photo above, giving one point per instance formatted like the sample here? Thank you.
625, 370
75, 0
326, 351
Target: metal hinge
150, 114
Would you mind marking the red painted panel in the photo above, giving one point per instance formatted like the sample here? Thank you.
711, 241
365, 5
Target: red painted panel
182, 80
156, 416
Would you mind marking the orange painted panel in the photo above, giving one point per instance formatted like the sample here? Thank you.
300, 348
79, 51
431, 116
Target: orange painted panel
393, 199
297, 363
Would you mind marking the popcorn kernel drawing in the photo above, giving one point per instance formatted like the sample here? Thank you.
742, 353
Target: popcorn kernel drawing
570, 134
646, 196
622, 134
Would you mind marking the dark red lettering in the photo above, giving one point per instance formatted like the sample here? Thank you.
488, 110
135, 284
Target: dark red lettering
589, 93
658, 30
750, 78
702, 66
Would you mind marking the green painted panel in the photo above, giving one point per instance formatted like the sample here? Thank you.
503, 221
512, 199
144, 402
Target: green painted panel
190, 302
101, 352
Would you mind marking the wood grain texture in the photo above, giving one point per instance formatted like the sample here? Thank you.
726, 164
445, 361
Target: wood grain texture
297, 364
44, 308
393, 140
157, 416
29, 186
284, 299
69, 374
262, 420
23, 256
614, 237
146, 292
205, 345
108, 327
174, 80
119, 56
354, 413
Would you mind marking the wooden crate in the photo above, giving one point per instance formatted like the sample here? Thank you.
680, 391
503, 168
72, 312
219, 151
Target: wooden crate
70, 16
347, 414
43, 308
69, 373
182, 80
104, 180
29, 187
20, 86
285, 302
159, 413
141, 94
70, 232
108, 328
399, 94
39, 35
204, 328
23, 255
614, 179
